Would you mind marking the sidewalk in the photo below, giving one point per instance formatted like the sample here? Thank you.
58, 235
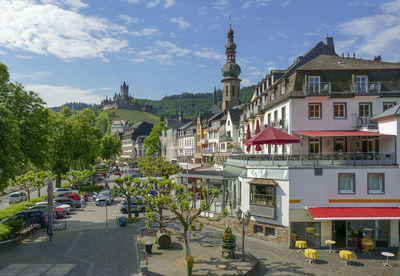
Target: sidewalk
205, 248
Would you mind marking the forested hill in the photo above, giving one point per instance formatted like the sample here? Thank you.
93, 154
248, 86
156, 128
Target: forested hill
192, 104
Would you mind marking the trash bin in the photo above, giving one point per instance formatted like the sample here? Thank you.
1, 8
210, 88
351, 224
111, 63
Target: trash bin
149, 246
136, 213
122, 221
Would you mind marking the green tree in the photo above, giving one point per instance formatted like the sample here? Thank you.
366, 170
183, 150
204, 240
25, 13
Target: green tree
77, 178
128, 187
24, 183
37, 179
109, 147
152, 142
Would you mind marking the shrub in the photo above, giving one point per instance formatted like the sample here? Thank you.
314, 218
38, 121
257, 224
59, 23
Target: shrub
15, 226
91, 188
4, 232
131, 220
227, 235
17, 207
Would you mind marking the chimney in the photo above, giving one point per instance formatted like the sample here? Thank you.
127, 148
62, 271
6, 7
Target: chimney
329, 43
378, 58
348, 55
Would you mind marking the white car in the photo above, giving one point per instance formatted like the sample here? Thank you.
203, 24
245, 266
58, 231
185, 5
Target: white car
67, 208
17, 197
58, 191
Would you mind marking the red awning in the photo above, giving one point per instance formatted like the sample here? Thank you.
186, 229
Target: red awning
272, 136
330, 133
354, 213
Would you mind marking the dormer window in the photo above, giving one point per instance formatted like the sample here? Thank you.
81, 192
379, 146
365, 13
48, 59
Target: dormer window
283, 88
313, 84
361, 84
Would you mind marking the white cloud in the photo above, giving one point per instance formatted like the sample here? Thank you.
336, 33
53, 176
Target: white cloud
173, 48
34, 76
151, 4
182, 23
210, 54
147, 32
169, 3
247, 82
59, 95
24, 56
375, 34
220, 4
285, 4
128, 19
2, 53
256, 3
202, 10
133, 1
36, 27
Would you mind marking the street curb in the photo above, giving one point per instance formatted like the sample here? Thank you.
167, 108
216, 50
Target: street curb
8, 243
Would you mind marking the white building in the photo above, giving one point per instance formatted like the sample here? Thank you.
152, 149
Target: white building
119, 127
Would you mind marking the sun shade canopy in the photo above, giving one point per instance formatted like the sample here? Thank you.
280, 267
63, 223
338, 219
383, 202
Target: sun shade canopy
331, 133
354, 213
272, 136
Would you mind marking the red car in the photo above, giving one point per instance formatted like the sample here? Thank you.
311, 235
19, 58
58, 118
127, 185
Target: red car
60, 212
76, 198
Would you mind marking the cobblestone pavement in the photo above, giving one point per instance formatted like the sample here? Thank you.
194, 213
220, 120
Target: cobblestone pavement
86, 247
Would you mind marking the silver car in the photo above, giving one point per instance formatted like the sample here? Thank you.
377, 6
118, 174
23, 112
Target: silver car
104, 197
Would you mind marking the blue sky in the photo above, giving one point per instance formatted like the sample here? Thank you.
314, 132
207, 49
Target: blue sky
82, 50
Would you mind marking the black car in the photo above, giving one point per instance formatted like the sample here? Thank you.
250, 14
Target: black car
29, 217
65, 200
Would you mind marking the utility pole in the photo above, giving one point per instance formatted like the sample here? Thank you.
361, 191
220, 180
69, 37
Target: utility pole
50, 209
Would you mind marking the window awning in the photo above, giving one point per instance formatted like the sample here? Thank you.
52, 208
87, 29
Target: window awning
331, 133
354, 213
263, 181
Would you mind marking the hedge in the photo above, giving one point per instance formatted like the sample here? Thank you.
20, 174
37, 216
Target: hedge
91, 188
4, 232
17, 207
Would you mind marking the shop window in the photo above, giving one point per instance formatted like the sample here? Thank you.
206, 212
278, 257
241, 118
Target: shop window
346, 183
258, 229
306, 231
376, 183
263, 195
269, 231
315, 145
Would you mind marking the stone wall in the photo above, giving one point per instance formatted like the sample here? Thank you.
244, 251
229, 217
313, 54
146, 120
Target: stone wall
281, 235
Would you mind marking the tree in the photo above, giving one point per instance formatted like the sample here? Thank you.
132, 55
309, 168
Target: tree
37, 179
128, 187
152, 142
109, 147
80, 177
24, 183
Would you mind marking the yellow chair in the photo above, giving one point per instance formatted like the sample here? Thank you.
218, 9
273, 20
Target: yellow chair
368, 245
311, 254
345, 255
330, 243
310, 230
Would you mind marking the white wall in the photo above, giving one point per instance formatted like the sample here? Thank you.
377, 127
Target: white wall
318, 190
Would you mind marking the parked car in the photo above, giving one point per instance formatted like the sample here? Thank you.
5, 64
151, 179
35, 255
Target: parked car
59, 211
104, 197
135, 206
65, 200
58, 191
67, 208
76, 198
29, 217
17, 197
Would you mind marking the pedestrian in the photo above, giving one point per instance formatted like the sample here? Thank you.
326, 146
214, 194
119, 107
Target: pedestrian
106, 186
86, 197
82, 201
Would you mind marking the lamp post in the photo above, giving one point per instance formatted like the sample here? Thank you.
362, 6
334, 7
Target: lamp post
244, 219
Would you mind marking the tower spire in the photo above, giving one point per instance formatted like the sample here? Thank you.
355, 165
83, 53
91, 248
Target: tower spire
215, 95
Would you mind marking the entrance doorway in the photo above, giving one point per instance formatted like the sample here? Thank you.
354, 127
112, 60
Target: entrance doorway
339, 233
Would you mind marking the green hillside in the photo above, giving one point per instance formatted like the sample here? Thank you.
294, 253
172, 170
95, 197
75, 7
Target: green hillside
134, 116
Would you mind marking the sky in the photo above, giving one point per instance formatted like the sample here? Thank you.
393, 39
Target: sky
82, 50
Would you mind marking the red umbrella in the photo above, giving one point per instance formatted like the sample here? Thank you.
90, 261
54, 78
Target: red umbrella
272, 136
258, 147
248, 136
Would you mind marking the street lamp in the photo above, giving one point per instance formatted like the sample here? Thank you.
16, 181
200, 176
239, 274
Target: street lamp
244, 219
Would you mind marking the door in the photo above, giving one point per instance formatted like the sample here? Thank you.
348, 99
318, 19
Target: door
339, 233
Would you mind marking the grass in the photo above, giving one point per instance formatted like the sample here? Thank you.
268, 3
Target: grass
132, 220
135, 116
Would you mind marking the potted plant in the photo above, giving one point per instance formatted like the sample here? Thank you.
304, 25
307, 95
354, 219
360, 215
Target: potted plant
189, 265
228, 243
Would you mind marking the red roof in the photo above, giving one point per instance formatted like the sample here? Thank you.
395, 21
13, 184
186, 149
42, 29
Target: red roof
330, 133
355, 213
272, 136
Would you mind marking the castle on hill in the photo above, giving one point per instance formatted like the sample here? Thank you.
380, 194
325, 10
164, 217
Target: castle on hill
123, 101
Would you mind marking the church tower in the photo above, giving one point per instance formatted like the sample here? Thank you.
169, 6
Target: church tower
124, 91
230, 72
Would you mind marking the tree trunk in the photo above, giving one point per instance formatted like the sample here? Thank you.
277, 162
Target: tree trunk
187, 241
58, 180
128, 199
38, 192
29, 194
161, 220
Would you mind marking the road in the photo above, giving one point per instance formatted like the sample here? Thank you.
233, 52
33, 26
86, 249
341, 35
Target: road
5, 199
87, 247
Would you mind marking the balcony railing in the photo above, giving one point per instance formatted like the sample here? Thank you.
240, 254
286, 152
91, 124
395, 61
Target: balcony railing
317, 89
262, 211
370, 88
282, 124
318, 159
366, 122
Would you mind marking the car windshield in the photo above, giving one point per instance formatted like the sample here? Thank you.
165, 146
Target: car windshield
103, 194
14, 195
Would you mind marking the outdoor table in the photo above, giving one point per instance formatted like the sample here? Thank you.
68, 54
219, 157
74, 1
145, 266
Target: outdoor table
311, 254
330, 243
387, 254
346, 255
301, 245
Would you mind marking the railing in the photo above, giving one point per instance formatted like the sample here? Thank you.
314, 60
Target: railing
262, 211
317, 89
203, 141
314, 159
366, 88
282, 123
366, 122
